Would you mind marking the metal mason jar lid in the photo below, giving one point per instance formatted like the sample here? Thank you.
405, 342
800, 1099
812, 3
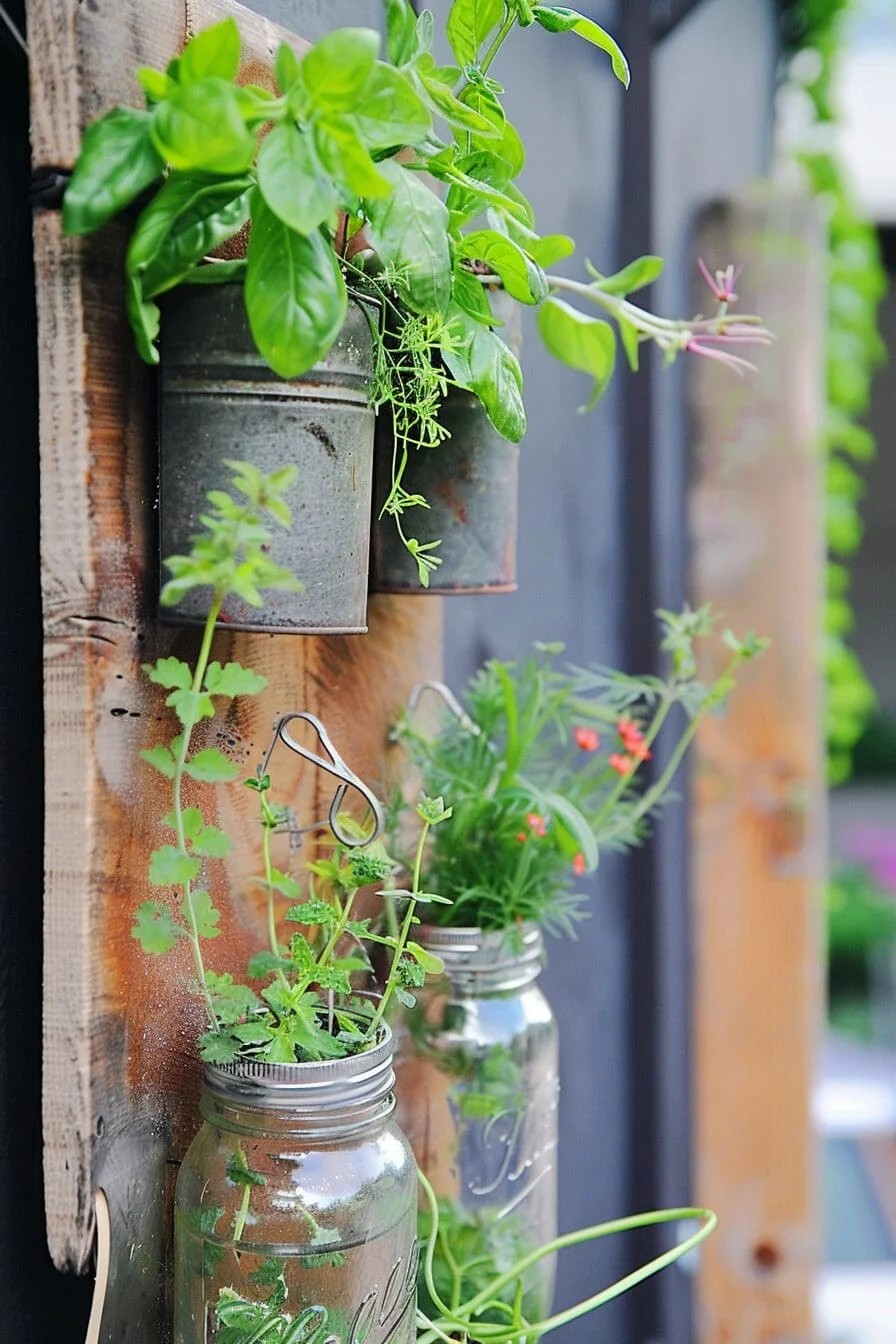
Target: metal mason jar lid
359, 1083
501, 958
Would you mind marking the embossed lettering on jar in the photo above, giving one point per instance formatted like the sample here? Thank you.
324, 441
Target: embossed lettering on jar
478, 1088
297, 1199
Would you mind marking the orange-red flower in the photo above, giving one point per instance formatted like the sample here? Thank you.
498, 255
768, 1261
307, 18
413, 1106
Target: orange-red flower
537, 824
586, 738
621, 764
633, 740
579, 866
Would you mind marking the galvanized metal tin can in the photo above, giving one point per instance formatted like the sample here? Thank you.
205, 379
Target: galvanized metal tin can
477, 1088
471, 484
220, 400
297, 1201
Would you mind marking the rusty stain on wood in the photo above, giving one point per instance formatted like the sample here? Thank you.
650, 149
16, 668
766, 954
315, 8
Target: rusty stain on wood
759, 813
120, 1070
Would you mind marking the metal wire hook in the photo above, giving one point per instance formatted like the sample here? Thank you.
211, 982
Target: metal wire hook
335, 766
439, 688
14, 30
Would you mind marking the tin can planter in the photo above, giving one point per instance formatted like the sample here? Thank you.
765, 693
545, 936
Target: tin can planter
477, 1089
220, 400
296, 1207
471, 484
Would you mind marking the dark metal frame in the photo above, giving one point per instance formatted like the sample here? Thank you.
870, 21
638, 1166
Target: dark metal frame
660, 1101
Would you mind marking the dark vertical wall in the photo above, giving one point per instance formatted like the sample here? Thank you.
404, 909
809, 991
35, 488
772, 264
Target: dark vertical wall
36, 1303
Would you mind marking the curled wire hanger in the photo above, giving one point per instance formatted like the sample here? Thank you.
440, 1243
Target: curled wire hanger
334, 765
445, 693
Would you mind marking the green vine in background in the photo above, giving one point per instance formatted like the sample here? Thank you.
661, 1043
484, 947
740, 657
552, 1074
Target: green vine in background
856, 285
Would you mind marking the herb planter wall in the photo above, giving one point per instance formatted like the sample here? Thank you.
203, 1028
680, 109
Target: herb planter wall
220, 400
477, 1091
471, 483
298, 1191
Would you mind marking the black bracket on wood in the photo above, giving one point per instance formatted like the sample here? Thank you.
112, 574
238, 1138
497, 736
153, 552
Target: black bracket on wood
48, 188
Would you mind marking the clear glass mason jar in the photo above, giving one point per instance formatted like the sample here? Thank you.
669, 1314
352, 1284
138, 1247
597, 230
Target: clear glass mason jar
298, 1199
477, 1088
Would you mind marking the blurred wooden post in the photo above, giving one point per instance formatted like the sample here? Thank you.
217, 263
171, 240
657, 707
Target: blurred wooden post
121, 1073
759, 796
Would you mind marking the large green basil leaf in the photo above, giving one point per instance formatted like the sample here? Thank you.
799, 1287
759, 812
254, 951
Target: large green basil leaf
585, 343
638, 273
438, 96
520, 276
547, 251
143, 315
185, 221
503, 139
469, 24
295, 293
286, 67
214, 51
482, 180
480, 360
559, 19
337, 67
409, 230
292, 180
469, 294
550, 249
391, 112
199, 127
117, 161
401, 31
341, 152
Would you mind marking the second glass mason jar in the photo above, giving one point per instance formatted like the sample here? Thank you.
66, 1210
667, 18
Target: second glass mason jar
477, 1088
297, 1203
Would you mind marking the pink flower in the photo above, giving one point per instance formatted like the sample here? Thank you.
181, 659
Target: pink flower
579, 866
722, 283
537, 824
586, 738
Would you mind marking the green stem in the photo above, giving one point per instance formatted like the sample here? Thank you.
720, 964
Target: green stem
497, 1334
403, 936
239, 1222
500, 38
196, 686
497, 43
269, 877
338, 929
666, 331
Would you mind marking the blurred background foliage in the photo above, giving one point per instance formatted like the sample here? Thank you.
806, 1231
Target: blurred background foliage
813, 36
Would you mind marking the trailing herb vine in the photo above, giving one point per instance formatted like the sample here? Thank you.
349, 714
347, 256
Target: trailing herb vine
856, 284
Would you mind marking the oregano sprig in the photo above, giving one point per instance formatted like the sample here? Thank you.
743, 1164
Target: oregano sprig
228, 556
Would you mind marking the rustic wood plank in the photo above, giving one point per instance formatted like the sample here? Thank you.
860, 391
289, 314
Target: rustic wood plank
120, 1075
759, 814
88, 54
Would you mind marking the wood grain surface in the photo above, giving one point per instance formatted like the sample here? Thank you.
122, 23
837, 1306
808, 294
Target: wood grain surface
120, 1070
759, 798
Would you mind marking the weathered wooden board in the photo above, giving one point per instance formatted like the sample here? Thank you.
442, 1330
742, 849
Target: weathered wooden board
759, 801
120, 1075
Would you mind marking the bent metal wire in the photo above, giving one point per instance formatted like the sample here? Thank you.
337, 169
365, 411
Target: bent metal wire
332, 764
